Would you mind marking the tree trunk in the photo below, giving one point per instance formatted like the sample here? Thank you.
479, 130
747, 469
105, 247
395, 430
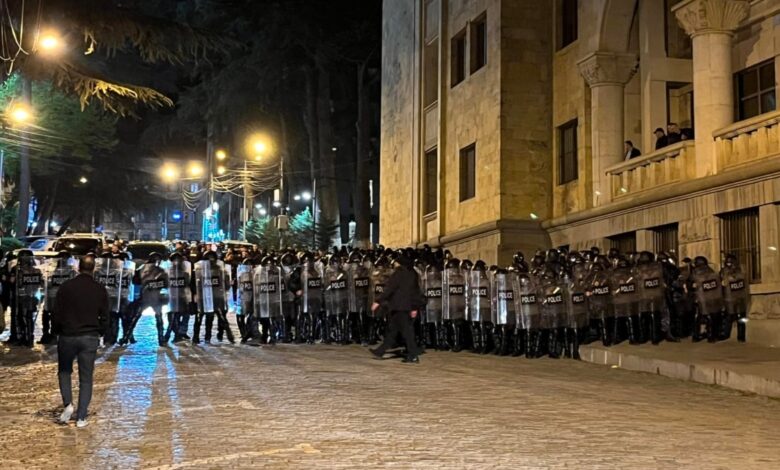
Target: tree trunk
310, 122
24, 169
326, 183
362, 209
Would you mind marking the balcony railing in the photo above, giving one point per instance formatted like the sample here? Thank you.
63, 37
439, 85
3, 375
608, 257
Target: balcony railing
745, 141
665, 166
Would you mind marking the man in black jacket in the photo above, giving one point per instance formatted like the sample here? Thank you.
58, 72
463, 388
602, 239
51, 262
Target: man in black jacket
402, 298
80, 319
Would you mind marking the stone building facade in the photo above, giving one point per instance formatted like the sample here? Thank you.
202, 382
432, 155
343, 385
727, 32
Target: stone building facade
504, 122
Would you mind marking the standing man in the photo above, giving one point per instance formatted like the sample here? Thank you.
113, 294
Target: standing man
402, 298
661, 140
80, 318
630, 150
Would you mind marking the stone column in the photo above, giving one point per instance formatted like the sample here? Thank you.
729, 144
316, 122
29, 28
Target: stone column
711, 25
607, 74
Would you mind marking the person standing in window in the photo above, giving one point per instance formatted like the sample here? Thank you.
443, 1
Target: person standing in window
660, 138
673, 134
631, 151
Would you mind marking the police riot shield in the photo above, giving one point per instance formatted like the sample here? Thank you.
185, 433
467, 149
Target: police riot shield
311, 281
575, 305
625, 292
527, 302
154, 285
736, 291
652, 287
127, 290
29, 283
479, 296
336, 290
433, 294
708, 294
503, 298
379, 276
268, 291
243, 304
358, 285
212, 281
553, 292
108, 273
453, 286
58, 271
179, 292
286, 271
599, 296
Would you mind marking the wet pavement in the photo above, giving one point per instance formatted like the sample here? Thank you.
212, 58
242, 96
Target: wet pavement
317, 406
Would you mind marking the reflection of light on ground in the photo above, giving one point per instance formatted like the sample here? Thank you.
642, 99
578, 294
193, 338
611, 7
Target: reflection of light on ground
149, 311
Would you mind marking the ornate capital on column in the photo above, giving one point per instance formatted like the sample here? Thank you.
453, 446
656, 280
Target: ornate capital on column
608, 68
711, 16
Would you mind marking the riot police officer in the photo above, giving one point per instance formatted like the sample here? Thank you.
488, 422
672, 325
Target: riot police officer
708, 298
152, 281
179, 273
454, 303
600, 308
552, 293
213, 282
528, 316
289, 308
108, 273
625, 299
433, 326
310, 297
246, 317
375, 326
577, 320
503, 310
62, 269
336, 301
736, 293
29, 287
479, 308
652, 303
358, 279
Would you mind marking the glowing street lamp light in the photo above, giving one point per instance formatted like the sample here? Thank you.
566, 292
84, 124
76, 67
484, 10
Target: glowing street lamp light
221, 170
50, 42
169, 173
277, 204
19, 114
263, 212
297, 197
195, 169
258, 206
306, 196
221, 154
83, 180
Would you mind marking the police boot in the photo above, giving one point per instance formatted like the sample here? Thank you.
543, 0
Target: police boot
498, 340
45, 337
209, 326
713, 327
554, 344
160, 329
457, 337
485, 337
698, 321
534, 344
519, 342
566, 343
476, 338
576, 338
726, 323
225, 326
633, 329
241, 322
605, 328
741, 327
196, 328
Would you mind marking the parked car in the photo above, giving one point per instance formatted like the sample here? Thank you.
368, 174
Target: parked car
79, 244
140, 250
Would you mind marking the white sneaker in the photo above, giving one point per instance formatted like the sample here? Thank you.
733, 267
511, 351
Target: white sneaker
66, 414
82, 423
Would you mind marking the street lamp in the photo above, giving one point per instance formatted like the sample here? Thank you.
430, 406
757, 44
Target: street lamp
221, 170
50, 42
83, 180
221, 154
195, 169
297, 197
169, 173
19, 114
306, 196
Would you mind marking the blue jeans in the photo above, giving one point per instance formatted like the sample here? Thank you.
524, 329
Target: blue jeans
84, 349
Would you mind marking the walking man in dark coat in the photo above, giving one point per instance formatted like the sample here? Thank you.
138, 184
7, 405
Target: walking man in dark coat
80, 319
403, 299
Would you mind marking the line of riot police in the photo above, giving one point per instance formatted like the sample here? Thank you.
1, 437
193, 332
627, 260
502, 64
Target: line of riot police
548, 307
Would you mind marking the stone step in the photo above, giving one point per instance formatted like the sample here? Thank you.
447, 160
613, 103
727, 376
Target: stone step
740, 366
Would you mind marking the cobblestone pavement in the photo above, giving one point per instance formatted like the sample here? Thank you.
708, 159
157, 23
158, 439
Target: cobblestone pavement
317, 406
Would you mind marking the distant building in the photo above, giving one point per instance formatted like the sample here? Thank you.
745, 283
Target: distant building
503, 125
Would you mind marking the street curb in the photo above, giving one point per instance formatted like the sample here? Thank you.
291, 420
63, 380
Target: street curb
710, 374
